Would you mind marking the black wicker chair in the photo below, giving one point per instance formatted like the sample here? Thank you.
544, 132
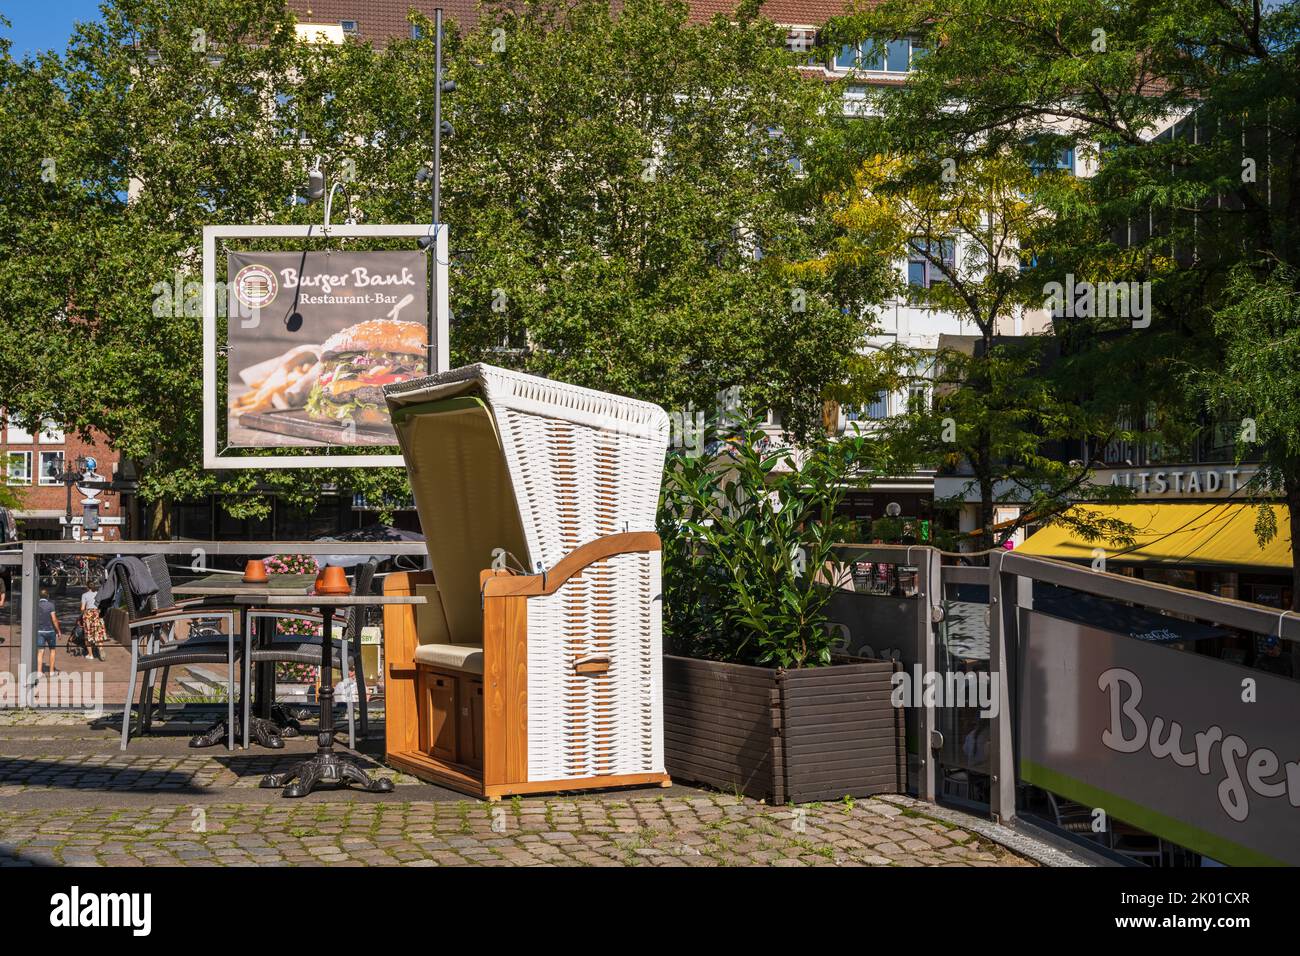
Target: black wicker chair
296, 649
212, 646
202, 629
150, 632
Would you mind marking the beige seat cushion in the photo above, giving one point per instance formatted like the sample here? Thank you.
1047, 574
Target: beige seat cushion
461, 657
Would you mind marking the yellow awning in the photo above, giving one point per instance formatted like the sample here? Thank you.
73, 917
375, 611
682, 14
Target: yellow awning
1187, 535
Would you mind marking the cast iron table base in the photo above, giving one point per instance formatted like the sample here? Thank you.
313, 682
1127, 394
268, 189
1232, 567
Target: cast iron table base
268, 733
326, 768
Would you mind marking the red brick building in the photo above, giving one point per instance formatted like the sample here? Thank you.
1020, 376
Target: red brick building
33, 464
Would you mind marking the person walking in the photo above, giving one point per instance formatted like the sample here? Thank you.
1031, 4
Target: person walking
92, 624
48, 632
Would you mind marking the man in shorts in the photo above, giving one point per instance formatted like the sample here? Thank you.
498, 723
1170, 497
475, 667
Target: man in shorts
48, 632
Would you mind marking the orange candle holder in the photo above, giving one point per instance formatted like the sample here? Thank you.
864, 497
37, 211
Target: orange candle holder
255, 572
332, 580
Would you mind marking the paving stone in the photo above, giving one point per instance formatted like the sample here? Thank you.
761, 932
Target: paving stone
638, 828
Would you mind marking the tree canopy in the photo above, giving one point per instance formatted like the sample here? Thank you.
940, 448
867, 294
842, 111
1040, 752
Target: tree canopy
626, 195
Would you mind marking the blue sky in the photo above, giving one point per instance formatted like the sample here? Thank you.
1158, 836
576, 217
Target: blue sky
38, 25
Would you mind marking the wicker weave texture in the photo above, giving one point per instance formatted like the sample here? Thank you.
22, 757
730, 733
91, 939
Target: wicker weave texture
584, 464
595, 725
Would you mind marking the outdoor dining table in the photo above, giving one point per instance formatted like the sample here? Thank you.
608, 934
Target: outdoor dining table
295, 592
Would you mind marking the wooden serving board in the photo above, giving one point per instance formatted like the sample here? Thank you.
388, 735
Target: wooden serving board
295, 422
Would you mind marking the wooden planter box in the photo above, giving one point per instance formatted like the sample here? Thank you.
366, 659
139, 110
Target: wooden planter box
784, 736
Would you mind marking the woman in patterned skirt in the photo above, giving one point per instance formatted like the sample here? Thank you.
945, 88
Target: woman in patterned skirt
93, 624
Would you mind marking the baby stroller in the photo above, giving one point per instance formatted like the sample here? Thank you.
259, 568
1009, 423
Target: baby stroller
77, 646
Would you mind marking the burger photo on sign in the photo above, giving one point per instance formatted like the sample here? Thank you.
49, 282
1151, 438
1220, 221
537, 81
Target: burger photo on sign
357, 362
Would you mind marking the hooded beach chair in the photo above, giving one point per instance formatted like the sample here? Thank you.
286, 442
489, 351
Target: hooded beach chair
534, 666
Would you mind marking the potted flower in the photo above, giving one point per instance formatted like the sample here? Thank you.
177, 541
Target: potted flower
755, 697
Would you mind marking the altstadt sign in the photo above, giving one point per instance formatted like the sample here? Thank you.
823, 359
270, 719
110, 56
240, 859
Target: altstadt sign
1180, 481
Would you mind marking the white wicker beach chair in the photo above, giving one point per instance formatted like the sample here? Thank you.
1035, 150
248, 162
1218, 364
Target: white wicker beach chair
538, 500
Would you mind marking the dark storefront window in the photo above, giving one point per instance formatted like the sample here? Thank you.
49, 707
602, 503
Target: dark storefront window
194, 520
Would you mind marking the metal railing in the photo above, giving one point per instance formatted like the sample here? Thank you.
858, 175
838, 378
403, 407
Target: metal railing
1010, 577
27, 555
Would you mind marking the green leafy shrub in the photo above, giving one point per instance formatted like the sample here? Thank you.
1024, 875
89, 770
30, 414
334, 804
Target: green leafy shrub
745, 535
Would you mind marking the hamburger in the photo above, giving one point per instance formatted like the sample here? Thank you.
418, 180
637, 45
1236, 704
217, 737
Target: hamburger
357, 362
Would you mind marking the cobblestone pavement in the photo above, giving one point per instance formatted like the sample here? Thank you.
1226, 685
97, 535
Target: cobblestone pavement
68, 796
698, 830
191, 772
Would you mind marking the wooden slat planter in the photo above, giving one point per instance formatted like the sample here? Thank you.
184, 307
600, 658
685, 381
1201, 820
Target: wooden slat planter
784, 736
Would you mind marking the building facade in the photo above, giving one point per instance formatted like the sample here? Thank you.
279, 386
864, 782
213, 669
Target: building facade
34, 466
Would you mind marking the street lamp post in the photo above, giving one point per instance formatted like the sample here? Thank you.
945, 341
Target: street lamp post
70, 477
438, 240
84, 478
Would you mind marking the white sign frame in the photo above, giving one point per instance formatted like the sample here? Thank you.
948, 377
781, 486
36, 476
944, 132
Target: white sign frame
211, 458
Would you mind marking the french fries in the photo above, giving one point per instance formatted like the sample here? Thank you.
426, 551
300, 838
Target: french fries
276, 390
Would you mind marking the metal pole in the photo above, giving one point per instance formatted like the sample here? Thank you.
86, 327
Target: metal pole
67, 484
434, 363
929, 742
27, 630
1003, 613
437, 117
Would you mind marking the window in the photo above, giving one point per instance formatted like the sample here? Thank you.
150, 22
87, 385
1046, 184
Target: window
19, 436
51, 433
874, 410
51, 467
350, 27
416, 32
800, 41
1062, 159
897, 56
923, 261
19, 468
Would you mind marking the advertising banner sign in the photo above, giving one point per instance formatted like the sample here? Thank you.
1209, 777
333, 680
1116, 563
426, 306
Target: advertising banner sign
1198, 751
312, 339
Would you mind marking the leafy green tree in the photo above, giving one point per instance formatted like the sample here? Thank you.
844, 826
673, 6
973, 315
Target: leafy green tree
1259, 326
151, 125
1181, 210
9, 497
632, 192
998, 414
